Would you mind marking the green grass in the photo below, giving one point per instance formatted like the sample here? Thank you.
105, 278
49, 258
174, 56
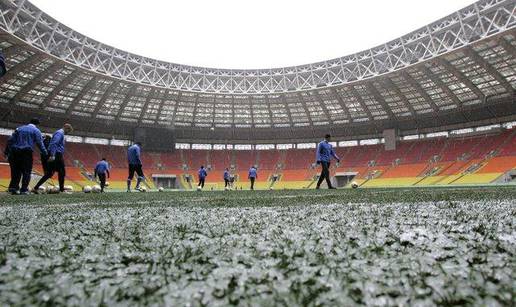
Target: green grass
342, 247
247, 198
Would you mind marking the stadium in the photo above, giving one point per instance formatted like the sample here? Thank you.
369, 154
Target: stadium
423, 214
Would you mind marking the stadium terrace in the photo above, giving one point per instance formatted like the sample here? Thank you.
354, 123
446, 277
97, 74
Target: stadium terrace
385, 177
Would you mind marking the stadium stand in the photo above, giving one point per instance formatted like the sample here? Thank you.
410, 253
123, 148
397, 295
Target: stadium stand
476, 159
423, 83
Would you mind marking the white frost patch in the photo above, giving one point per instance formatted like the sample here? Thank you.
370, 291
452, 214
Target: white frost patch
324, 254
508, 238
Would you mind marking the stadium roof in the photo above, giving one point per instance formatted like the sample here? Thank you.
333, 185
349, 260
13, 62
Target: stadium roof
457, 70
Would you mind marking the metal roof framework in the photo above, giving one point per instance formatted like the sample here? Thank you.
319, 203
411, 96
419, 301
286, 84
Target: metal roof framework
459, 68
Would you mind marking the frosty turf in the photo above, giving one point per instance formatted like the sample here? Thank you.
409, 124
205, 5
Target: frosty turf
371, 247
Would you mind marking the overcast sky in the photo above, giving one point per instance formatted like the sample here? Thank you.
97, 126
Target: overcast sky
244, 33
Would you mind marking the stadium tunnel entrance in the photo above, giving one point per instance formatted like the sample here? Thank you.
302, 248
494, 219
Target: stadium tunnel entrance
165, 181
507, 177
345, 178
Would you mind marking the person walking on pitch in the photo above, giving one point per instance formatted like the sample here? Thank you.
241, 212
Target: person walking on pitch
226, 178
202, 176
19, 149
56, 162
253, 174
101, 170
135, 165
323, 157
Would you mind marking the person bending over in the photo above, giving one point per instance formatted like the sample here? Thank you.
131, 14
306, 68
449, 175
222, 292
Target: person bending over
101, 171
19, 149
135, 165
56, 162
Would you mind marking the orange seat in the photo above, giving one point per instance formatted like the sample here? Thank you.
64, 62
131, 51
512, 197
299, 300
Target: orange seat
499, 165
404, 170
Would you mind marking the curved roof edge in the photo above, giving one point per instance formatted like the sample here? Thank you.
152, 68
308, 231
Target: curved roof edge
475, 22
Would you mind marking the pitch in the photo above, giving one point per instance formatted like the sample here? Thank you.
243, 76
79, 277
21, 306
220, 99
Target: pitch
340, 247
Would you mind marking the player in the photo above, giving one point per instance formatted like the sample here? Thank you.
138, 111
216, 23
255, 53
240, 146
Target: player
44, 158
101, 170
56, 162
227, 179
8, 151
20, 147
232, 181
135, 165
323, 157
253, 174
3, 70
202, 176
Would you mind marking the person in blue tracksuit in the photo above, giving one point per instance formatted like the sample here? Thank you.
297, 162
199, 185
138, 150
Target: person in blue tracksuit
8, 151
226, 178
323, 156
10, 141
20, 147
253, 174
56, 162
202, 176
3, 70
135, 165
44, 158
102, 170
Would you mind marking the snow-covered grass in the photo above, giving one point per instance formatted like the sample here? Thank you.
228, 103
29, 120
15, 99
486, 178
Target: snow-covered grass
345, 247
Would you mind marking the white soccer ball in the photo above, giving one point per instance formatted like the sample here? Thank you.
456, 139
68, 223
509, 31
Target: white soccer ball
199, 188
160, 189
143, 189
96, 189
226, 189
42, 190
53, 190
106, 184
86, 189
354, 185
270, 188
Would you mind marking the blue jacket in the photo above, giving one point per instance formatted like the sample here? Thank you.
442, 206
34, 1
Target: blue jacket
102, 167
253, 173
226, 175
25, 137
202, 173
325, 152
57, 143
133, 155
